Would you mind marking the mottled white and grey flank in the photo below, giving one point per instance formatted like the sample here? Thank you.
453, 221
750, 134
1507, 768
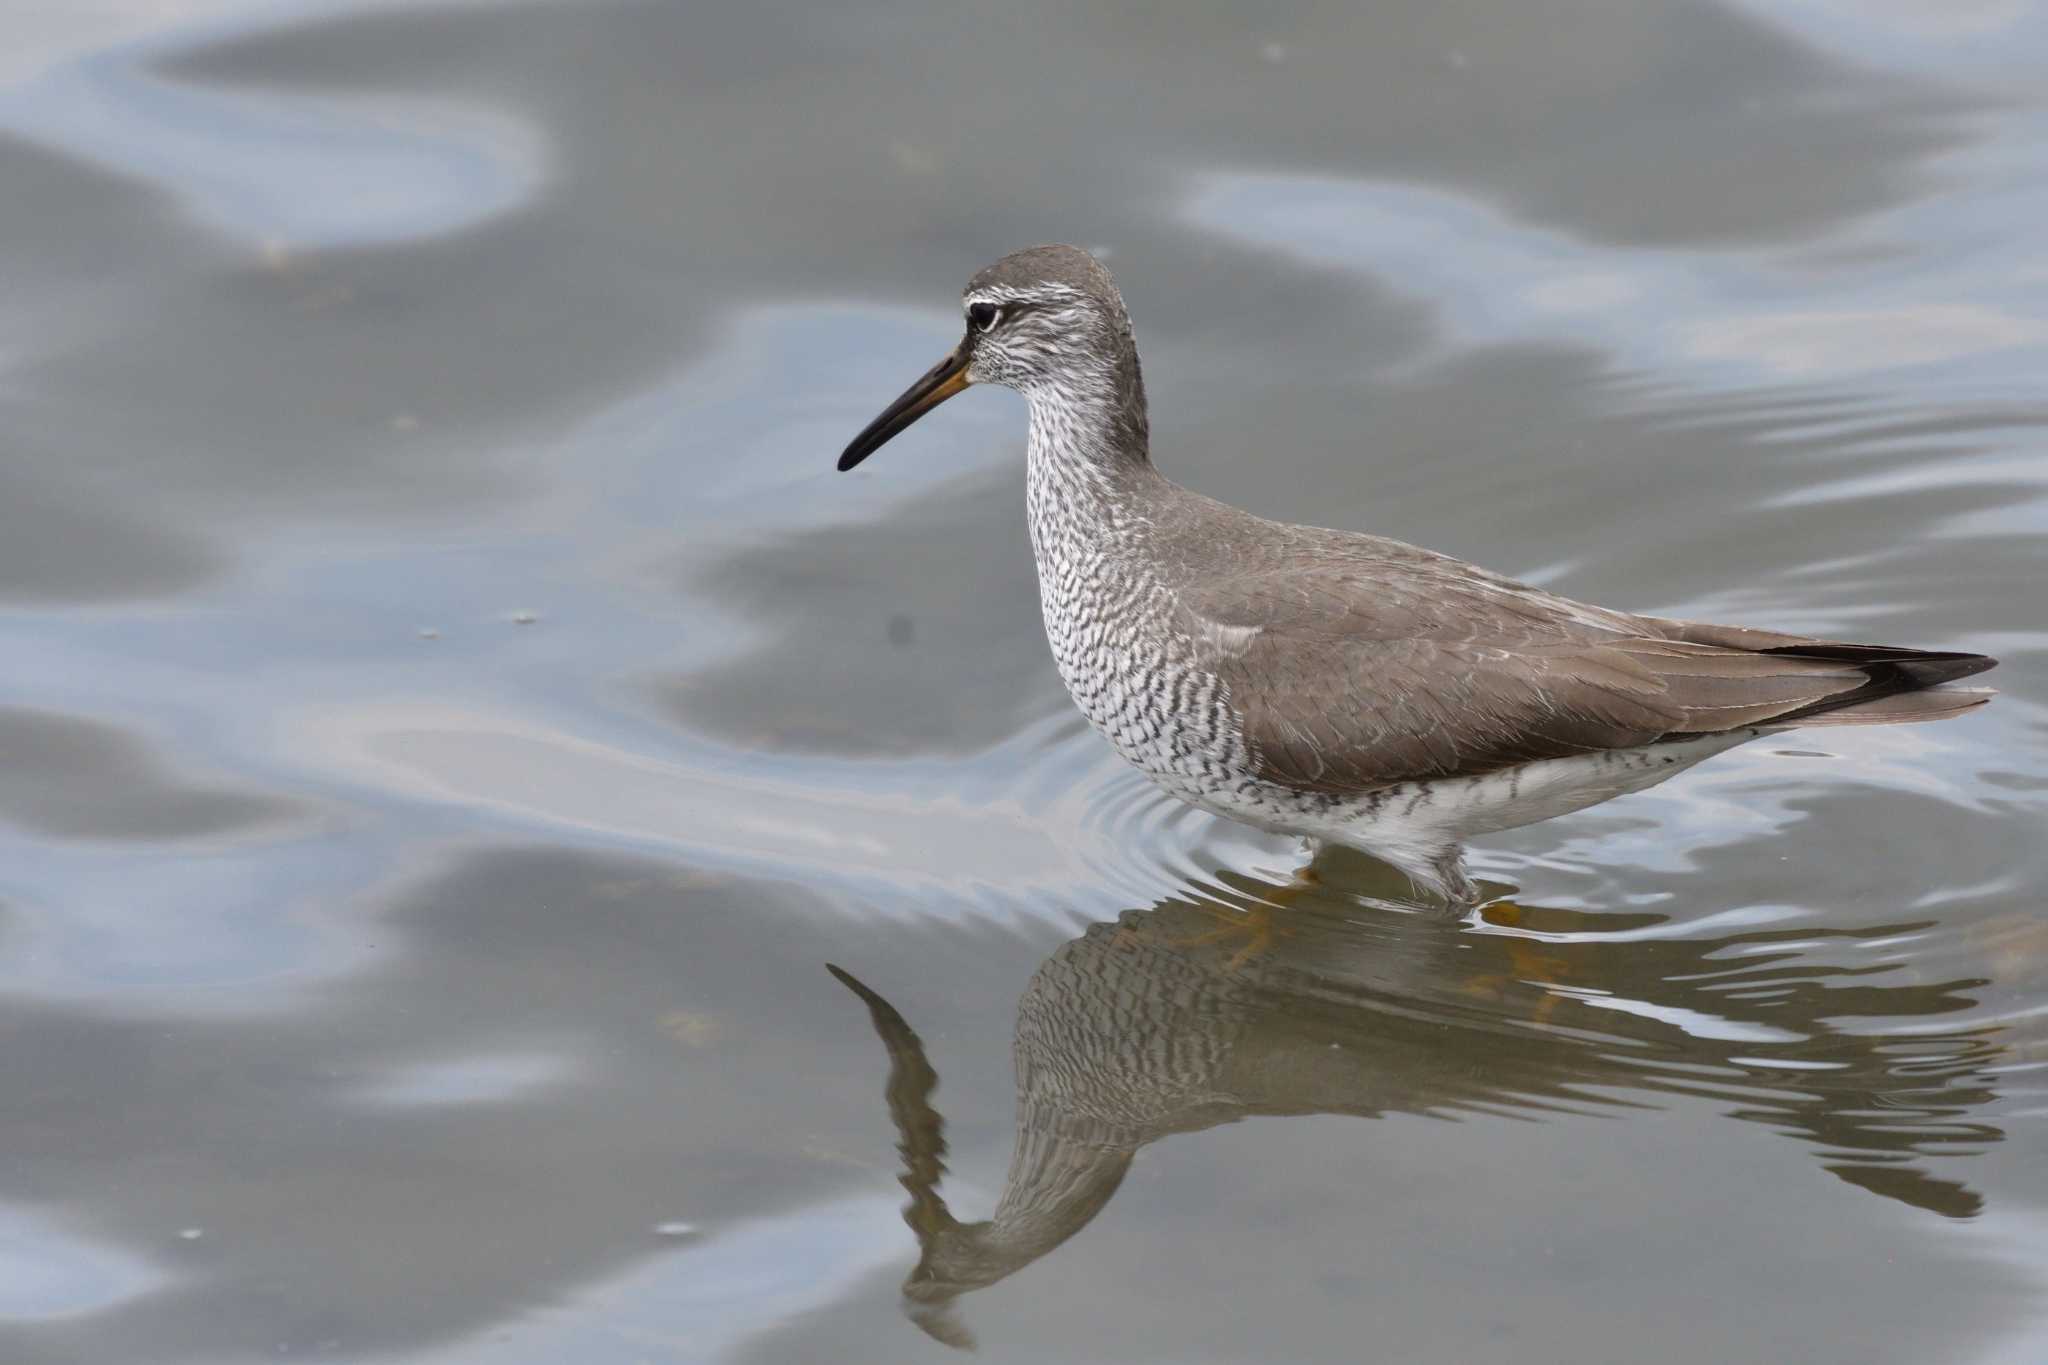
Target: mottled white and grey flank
1346, 687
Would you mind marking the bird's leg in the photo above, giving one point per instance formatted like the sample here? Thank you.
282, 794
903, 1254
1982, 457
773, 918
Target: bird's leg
1532, 965
1447, 878
1255, 923
1429, 879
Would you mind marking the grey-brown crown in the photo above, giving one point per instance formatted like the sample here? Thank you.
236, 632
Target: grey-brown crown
1021, 272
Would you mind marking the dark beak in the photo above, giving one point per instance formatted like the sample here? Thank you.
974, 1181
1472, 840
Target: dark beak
940, 382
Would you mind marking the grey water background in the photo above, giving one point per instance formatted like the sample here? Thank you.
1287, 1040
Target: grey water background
450, 710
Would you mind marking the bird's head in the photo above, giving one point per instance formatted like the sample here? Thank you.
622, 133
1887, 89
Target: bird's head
1047, 320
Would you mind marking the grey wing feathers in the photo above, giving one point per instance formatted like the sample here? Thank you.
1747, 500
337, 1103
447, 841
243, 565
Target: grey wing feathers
1359, 676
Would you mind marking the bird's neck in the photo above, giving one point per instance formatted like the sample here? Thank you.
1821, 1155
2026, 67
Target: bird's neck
1058, 1182
1090, 463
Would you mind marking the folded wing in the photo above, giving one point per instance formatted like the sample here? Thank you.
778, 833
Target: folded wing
1347, 678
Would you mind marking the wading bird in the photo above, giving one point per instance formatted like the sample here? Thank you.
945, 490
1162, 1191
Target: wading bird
1342, 687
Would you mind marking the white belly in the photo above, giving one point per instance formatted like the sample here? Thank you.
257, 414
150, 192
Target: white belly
1417, 825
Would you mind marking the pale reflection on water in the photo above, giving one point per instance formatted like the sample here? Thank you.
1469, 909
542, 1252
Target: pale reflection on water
1197, 1012
452, 710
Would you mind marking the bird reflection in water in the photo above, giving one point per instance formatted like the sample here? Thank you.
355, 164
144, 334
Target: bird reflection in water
1159, 1024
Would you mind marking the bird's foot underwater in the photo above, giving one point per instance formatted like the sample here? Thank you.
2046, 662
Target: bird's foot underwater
1259, 924
1533, 964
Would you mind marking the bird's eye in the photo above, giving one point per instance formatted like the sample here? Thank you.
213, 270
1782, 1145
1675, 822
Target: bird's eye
984, 316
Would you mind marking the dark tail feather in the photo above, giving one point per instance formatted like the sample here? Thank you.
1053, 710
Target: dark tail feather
1923, 667
1903, 687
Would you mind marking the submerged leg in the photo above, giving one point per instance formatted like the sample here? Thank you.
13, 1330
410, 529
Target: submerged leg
1434, 872
1256, 923
1451, 882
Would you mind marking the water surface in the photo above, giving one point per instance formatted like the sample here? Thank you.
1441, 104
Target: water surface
453, 712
